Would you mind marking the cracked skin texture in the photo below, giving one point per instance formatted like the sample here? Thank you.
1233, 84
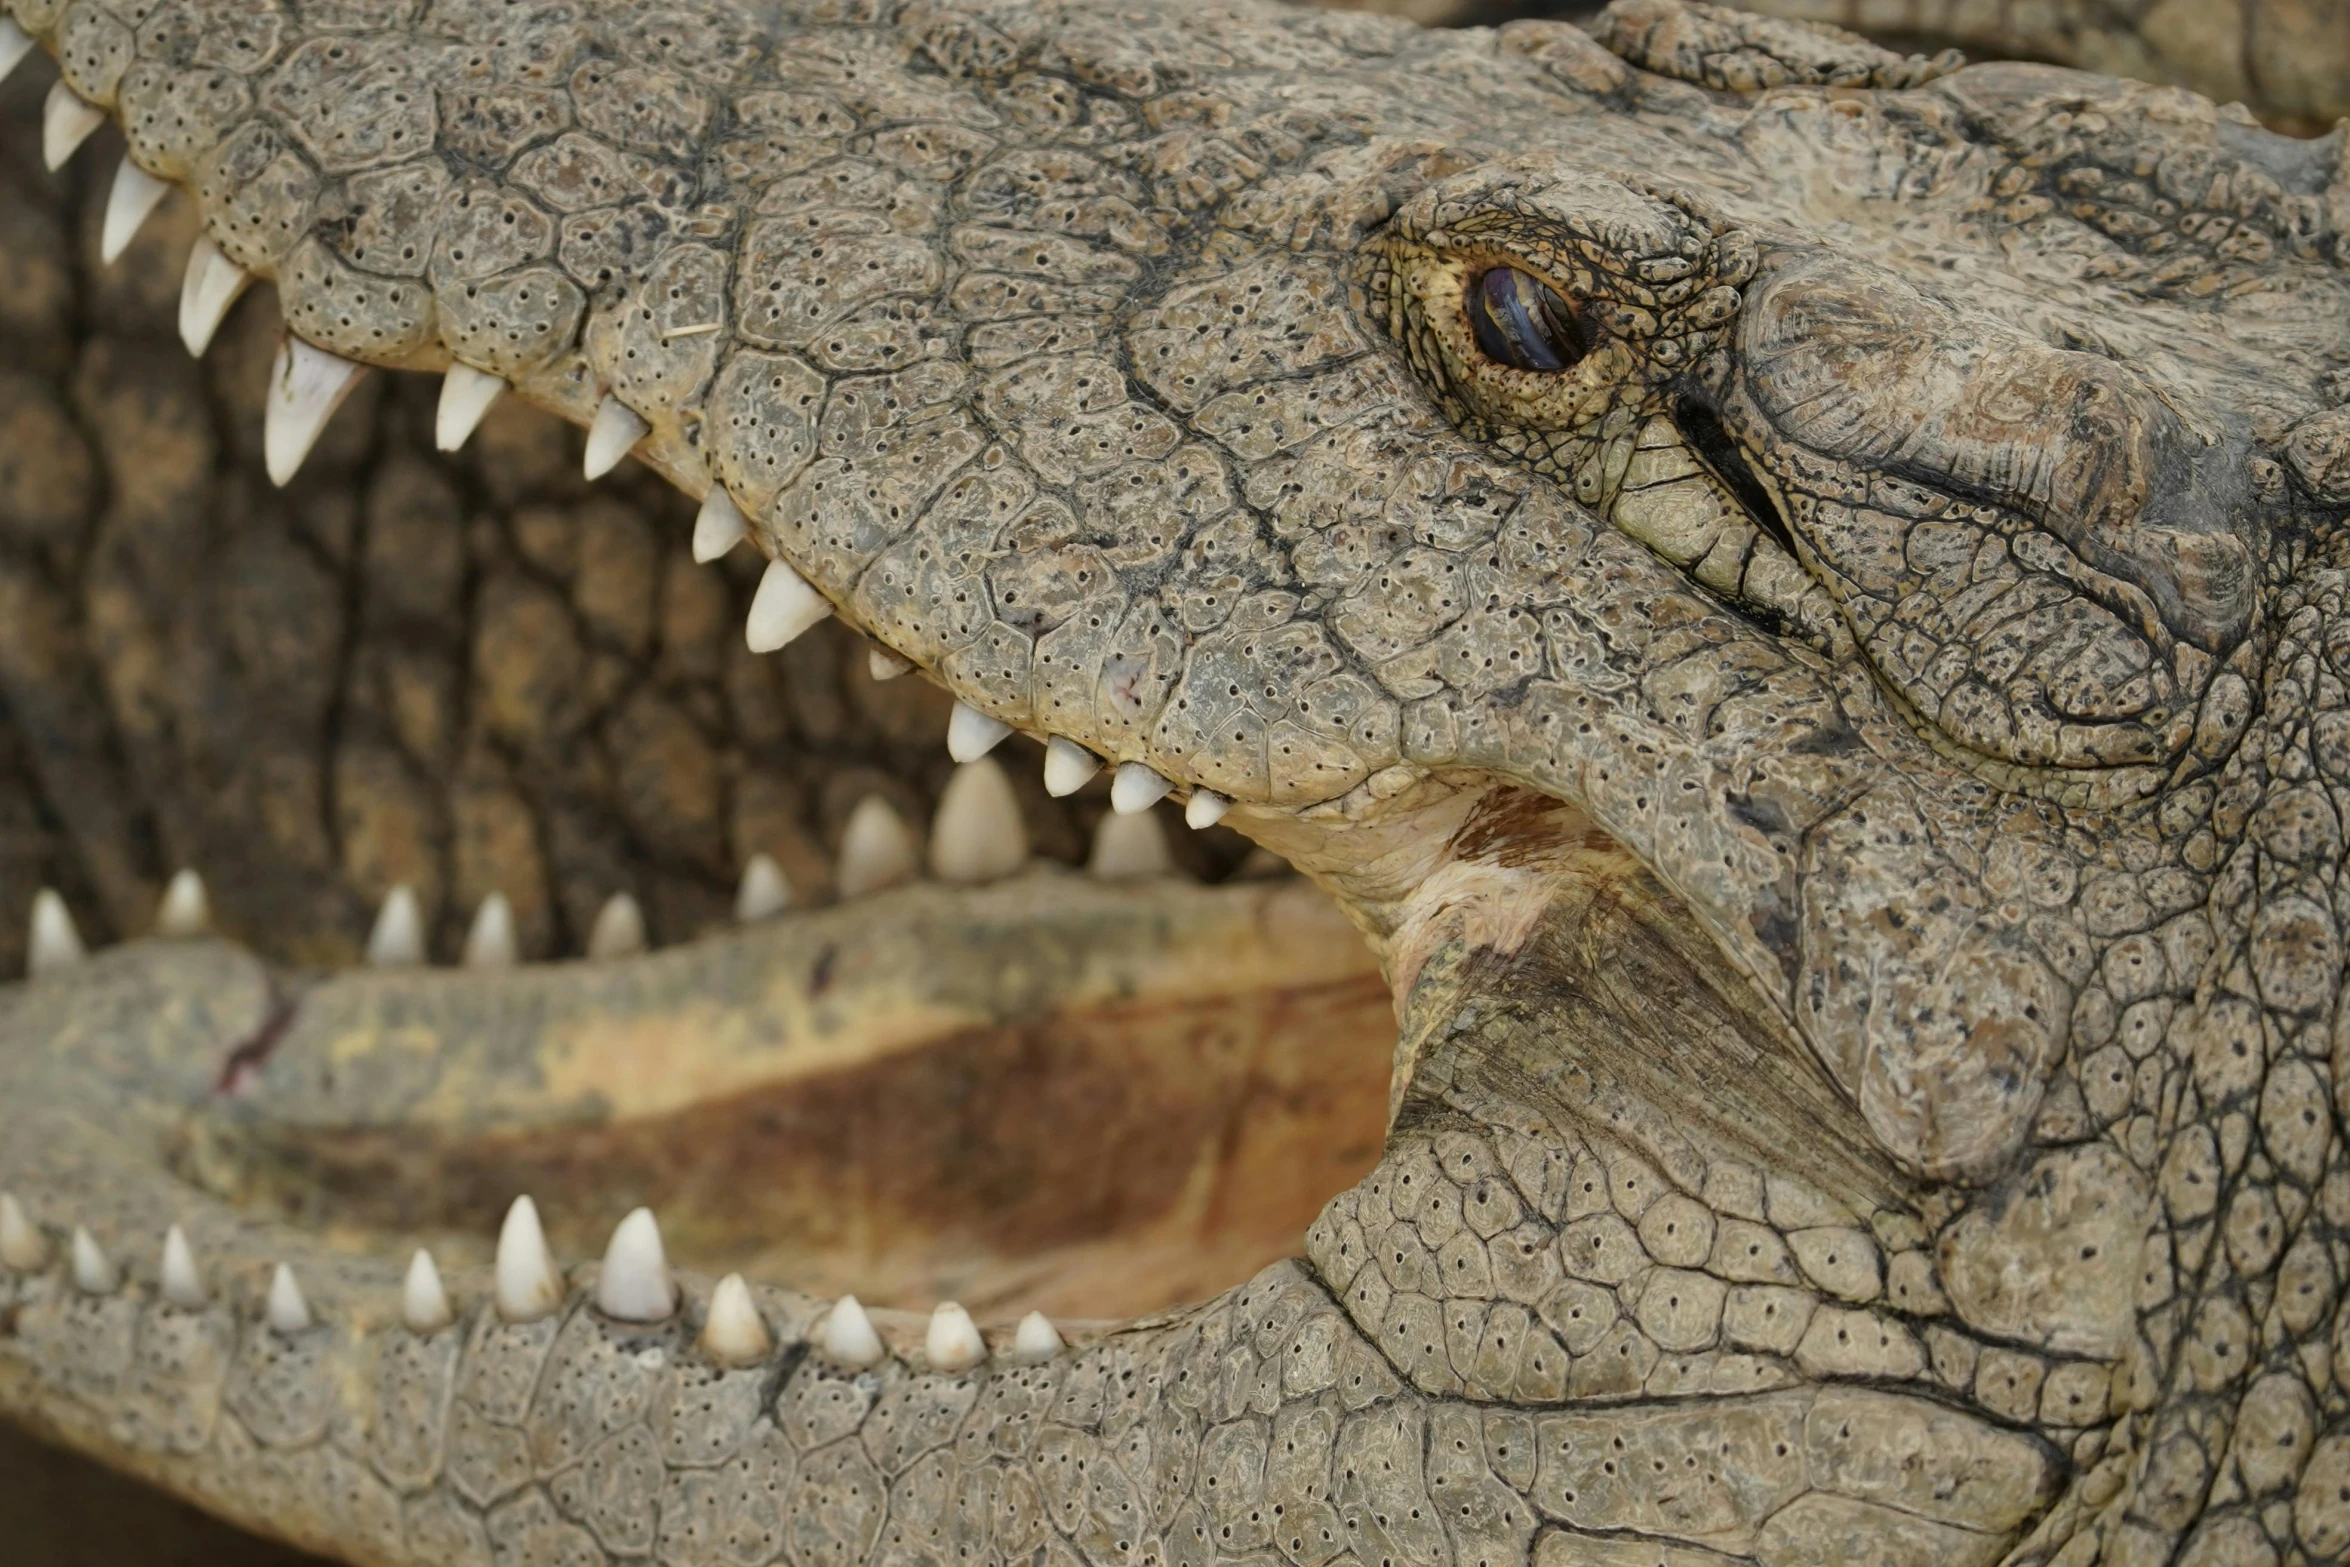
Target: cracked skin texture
1844, 777
2289, 60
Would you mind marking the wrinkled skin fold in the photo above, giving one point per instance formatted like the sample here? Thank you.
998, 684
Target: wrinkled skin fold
1840, 762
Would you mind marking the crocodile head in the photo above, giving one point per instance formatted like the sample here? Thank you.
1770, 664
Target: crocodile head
1791, 594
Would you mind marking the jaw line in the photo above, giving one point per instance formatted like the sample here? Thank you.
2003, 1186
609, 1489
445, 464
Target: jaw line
393, 1108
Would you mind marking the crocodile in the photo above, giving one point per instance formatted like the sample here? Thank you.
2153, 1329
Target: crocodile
1789, 593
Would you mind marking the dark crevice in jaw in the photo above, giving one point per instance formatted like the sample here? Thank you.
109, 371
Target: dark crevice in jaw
253, 1051
1701, 425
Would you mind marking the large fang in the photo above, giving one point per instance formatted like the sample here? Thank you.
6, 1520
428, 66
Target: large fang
735, 1335
53, 944
953, 1342
424, 1304
719, 526
94, 1272
306, 386
616, 429
1125, 847
15, 44
1205, 808
783, 607
849, 1339
876, 849
185, 910
977, 835
23, 1248
490, 941
528, 1286
212, 284
1136, 788
183, 1282
128, 205
1036, 1340
764, 893
466, 394
66, 122
971, 734
1068, 767
633, 1285
619, 931
397, 941
288, 1312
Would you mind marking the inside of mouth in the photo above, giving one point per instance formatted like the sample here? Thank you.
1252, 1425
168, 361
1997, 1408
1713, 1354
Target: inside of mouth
1101, 1101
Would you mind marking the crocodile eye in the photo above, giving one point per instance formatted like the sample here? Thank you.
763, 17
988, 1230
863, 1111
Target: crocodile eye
1521, 321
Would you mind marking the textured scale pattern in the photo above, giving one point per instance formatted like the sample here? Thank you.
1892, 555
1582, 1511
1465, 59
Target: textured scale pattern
1846, 779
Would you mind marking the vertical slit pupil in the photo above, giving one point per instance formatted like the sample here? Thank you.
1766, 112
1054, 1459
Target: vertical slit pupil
1521, 321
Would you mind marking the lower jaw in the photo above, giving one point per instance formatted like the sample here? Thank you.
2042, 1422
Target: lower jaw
1097, 1100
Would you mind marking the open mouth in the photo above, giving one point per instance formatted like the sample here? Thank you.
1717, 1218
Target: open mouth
947, 1037
620, 1087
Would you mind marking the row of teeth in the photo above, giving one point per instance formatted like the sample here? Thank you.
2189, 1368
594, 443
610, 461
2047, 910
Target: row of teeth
978, 829
307, 384
634, 1285
978, 836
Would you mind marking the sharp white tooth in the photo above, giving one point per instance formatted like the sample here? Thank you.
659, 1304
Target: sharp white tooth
53, 944
288, 1313
849, 1339
306, 386
634, 1285
1136, 788
183, 1282
735, 1335
1036, 1340
490, 941
1205, 808
528, 1286
128, 205
882, 664
93, 1271
1068, 767
877, 849
953, 1342
466, 395
616, 429
66, 122
971, 734
1125, 847
212, 284
764, 893
23, 1248
784, 606
15, 44
977, 834
719, 526
397, 941
424, 1305
185, 910
619, 931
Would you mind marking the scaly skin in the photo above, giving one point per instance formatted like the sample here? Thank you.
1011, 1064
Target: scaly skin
1844, 779
2289, 60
